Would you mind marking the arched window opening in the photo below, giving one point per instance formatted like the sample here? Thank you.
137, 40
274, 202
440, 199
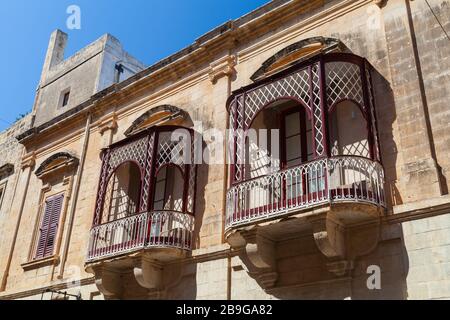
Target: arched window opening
122, 193
350, 176
280, 137
169, 189
348, 131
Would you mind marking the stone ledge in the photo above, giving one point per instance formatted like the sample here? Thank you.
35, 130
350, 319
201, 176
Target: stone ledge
35, 264
419, 209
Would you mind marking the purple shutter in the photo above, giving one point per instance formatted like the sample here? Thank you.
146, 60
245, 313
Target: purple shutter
49, 226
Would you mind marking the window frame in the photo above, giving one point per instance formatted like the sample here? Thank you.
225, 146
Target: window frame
64, 93
2, 194
37, 239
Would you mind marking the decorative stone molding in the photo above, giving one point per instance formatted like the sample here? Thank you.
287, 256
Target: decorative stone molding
258, 255
159, 115
61, 161
222, 68
295, 53
28, 161
35, 264
108, 123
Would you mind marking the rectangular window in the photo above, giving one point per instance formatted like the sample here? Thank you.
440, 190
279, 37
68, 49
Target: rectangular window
2, 193
65, 100
49, 226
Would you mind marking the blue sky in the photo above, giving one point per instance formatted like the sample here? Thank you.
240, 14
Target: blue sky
150, 30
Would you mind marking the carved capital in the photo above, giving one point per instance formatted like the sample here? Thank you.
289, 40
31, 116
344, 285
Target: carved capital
221, 68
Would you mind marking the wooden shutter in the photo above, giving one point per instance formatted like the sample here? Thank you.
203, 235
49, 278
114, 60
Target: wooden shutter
49, 226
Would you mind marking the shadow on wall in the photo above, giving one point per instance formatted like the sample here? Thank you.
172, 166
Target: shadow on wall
186, 287
386, 116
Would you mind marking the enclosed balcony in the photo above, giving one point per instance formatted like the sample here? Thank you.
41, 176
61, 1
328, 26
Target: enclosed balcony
145, 202
306, 157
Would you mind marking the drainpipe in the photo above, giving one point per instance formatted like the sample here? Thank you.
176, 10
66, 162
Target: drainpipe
76, 190
16, 231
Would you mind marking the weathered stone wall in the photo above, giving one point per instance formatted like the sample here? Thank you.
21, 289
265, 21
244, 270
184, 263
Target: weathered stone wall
382, 36
427, 244
10, 153
87, 72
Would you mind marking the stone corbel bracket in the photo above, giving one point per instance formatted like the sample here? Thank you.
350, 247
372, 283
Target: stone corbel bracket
28, 161
342, 244
224, 67
108, 282
108, 123
257, 255
156, 277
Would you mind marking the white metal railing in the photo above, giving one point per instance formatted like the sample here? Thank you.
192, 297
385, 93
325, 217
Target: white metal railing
336, 179
149, 229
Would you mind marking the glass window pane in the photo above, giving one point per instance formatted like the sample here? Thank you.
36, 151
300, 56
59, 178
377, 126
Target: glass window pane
292, 123
159, 190
293, 148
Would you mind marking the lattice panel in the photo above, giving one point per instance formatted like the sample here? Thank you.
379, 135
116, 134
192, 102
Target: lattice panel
296, 86
147, 174
133, 151
171, 151
192, 180
239, 134
317, 111
343, 82
102, 188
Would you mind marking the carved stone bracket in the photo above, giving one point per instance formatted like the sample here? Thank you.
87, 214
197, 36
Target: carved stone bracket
29, 160
148, 273
108, 123
108, 282
151, 275
258, 255
221, 68
342, 244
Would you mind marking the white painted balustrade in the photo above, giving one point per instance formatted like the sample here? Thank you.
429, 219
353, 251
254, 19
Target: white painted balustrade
162, 229
336, 179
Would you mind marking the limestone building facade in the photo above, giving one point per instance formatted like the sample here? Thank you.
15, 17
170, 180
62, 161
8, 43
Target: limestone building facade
134, 182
